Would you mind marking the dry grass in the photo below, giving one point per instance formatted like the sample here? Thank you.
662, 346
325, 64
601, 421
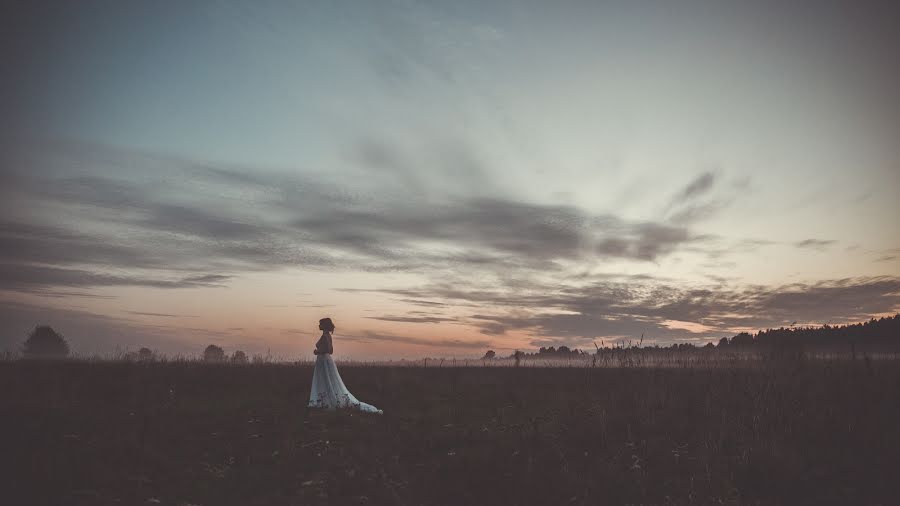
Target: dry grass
802, 432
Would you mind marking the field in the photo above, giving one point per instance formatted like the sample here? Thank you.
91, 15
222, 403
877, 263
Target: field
181, 433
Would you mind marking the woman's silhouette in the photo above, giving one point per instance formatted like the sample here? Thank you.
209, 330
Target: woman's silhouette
328, 390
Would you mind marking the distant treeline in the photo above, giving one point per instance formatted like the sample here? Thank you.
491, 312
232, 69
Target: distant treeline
881, 334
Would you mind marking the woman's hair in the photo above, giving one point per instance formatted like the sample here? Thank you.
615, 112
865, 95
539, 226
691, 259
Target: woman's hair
327, 324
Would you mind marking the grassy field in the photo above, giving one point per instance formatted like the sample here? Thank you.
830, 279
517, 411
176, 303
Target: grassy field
180, 433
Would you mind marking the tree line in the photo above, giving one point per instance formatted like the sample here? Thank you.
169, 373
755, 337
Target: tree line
881, 334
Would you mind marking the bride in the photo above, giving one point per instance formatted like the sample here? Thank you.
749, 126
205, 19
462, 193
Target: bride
328, 390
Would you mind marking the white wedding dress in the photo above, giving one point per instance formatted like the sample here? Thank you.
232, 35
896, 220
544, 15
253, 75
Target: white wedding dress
328, 389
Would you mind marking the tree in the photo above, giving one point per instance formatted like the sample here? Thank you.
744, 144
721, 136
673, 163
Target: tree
723, 342
489, 355
44, 342
213, 353
145, 354
563, 349
742, 339
239, 357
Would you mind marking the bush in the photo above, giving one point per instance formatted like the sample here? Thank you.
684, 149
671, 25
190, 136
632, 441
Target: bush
239, 357
44, 342
145, 355
213, 353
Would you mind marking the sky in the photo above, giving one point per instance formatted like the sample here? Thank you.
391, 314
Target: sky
443, 178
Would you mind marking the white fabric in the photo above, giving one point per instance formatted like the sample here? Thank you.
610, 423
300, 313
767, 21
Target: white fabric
328, 390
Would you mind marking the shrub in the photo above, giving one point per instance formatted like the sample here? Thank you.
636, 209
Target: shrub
145, 354
239, 357
44, 342
213, 353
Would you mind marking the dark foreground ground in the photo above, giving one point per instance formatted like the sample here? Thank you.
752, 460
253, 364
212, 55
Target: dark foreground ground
187, 433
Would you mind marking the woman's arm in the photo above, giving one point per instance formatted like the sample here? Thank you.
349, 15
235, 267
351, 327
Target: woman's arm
319, 345
324, 345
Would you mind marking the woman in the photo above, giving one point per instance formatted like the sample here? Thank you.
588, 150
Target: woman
328, 390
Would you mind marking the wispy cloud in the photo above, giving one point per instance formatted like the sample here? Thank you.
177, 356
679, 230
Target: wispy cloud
693, 203
413, 319
31, 277
369, 336
816, 244
65, 294
185, 224
696, 188
161, 315
629, 307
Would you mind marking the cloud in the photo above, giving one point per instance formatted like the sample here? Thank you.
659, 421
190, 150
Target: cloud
206, 279
64, 294
484, 227
716, 248
699, 186
296, 331
99, 217
687, 206
425, 303
29, 278
29, 242
695, 213
613, 307
842, 300
369, 336
161, 315
200, 224
413, 319
816, 244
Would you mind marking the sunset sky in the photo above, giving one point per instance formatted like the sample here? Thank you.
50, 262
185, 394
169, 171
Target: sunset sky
441, 177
